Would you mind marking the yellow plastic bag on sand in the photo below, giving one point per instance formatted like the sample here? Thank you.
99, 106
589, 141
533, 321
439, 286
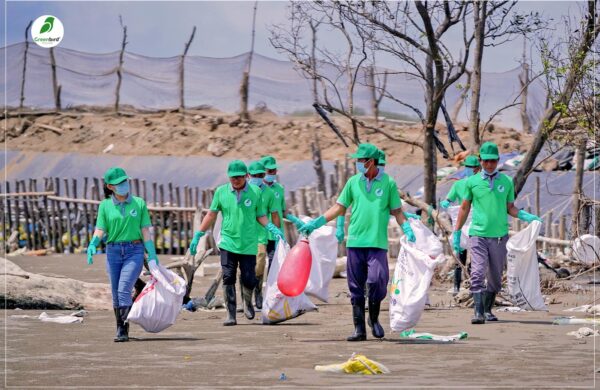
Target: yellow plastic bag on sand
357, 364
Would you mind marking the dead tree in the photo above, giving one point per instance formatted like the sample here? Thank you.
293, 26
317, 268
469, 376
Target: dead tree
245, 87
464, 92
524, 83
120, 67
182, 73
377, 91
318, 164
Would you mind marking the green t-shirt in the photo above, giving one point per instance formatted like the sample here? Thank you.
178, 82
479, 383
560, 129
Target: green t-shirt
239, 233
123, 221
370, 210
268, 201
279, 203
457, 191
489, 207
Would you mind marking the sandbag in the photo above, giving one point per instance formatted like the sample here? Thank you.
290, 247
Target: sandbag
159, 303
276, 306
523, 274
412, 276
323, 247
464, 237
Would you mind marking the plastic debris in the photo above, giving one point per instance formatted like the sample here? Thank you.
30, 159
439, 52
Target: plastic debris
76, 317
511, 309
357, 364
581, 309
282, 377
411, 334
584, 332
575, 321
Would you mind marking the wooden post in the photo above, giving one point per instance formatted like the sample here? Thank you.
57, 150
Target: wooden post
55, 87
26, 214
181, 71
562, 223
86, 221
120, 67
144, 193
59, 213
136, 185
22, 98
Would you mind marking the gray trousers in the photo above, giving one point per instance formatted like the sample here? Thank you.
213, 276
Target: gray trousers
488, 257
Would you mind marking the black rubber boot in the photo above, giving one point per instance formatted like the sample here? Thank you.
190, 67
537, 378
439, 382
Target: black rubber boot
376, 328
358, 316
247, 302
258, 298
478, 306
123, 313
457, 280
489, 299
229, 294
119, 334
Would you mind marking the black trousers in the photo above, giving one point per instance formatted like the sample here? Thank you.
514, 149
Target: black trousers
247, 264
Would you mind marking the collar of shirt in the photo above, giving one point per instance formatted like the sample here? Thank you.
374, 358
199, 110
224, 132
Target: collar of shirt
242, 190
491, 177
117, 202
377, 177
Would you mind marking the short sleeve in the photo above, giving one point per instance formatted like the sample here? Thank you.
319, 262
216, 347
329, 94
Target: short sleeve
101, 219
395, 202
345, 198
511, 192
145, 222
468, 195
216, 202
269, 201
452, 195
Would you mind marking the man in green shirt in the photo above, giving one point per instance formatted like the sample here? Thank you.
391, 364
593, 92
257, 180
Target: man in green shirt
257, 175
373, 196
456, 194
491, 196
241, 205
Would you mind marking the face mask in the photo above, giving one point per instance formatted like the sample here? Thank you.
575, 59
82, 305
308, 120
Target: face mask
381, 169
122, 189
490, 173
257, 181
360, 167
270, 178
468, 171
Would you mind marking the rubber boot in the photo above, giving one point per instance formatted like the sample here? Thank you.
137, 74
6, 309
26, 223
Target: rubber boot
258, 298
376, 328
457, 280
123, 313
478, 318
119, 335
229, 293
247, 302
489, 298
358, 316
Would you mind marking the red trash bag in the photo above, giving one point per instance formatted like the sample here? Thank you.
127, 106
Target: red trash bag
294, 273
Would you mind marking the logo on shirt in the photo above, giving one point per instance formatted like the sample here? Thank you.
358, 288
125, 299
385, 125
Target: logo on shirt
500, 188
277, 194
379, 192
133, 213
248, 203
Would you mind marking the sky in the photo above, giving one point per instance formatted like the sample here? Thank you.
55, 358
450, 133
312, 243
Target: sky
160, 28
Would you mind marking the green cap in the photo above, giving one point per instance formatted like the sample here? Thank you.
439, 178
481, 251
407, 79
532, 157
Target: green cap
366, 151
237, 168
115, 176
269, 162
471, 162
255, 168
489, 151
381, 158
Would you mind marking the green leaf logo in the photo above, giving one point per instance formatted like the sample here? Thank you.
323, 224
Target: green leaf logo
48, 24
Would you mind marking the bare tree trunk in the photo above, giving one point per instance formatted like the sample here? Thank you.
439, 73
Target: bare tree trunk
318, 164
524, 81
313, 60
578, 190
371, 83
55, 87
245, 87
120, 67
553, 114
22, 99
479, 15
182, 73
461, 99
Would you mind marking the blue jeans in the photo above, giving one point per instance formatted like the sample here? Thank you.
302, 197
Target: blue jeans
124, 262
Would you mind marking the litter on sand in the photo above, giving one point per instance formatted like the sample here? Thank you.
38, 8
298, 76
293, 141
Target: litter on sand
584, 332
73, 318
411, 334
575, 321
581, 309
357, 364
510, 309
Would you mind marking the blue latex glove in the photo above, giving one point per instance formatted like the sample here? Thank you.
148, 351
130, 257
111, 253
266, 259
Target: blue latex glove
410, 235
525, 216
339, 231
195, 241
274, 230
445, 204
456, 242
92, 249
295, 220
149, 245
312, 225
411, 215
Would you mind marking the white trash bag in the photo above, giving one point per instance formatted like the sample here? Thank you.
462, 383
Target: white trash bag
587, 249
464, 237
323, 248
216, 230
276, 306
412, 276
159, 303
523, 272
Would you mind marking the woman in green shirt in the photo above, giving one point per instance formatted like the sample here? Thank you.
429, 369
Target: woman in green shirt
125, 220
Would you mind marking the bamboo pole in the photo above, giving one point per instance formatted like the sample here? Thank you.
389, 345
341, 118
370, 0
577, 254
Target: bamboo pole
22, 97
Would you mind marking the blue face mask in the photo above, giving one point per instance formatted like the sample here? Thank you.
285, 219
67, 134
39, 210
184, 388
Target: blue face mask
122, 189
381, 169
486, 173
270, 178
257, 181
360, 167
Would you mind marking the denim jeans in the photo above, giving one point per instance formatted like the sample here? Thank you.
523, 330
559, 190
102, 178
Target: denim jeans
124, 262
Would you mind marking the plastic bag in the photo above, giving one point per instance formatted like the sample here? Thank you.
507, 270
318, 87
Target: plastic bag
411, 334
276, 306
324, 248
159, 303
587, 249
357, 364
523, 272
464, 237
412, 276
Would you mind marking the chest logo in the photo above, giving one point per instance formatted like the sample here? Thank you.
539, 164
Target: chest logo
379, 192
133, 213
500, 188
248, 203
277, 195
